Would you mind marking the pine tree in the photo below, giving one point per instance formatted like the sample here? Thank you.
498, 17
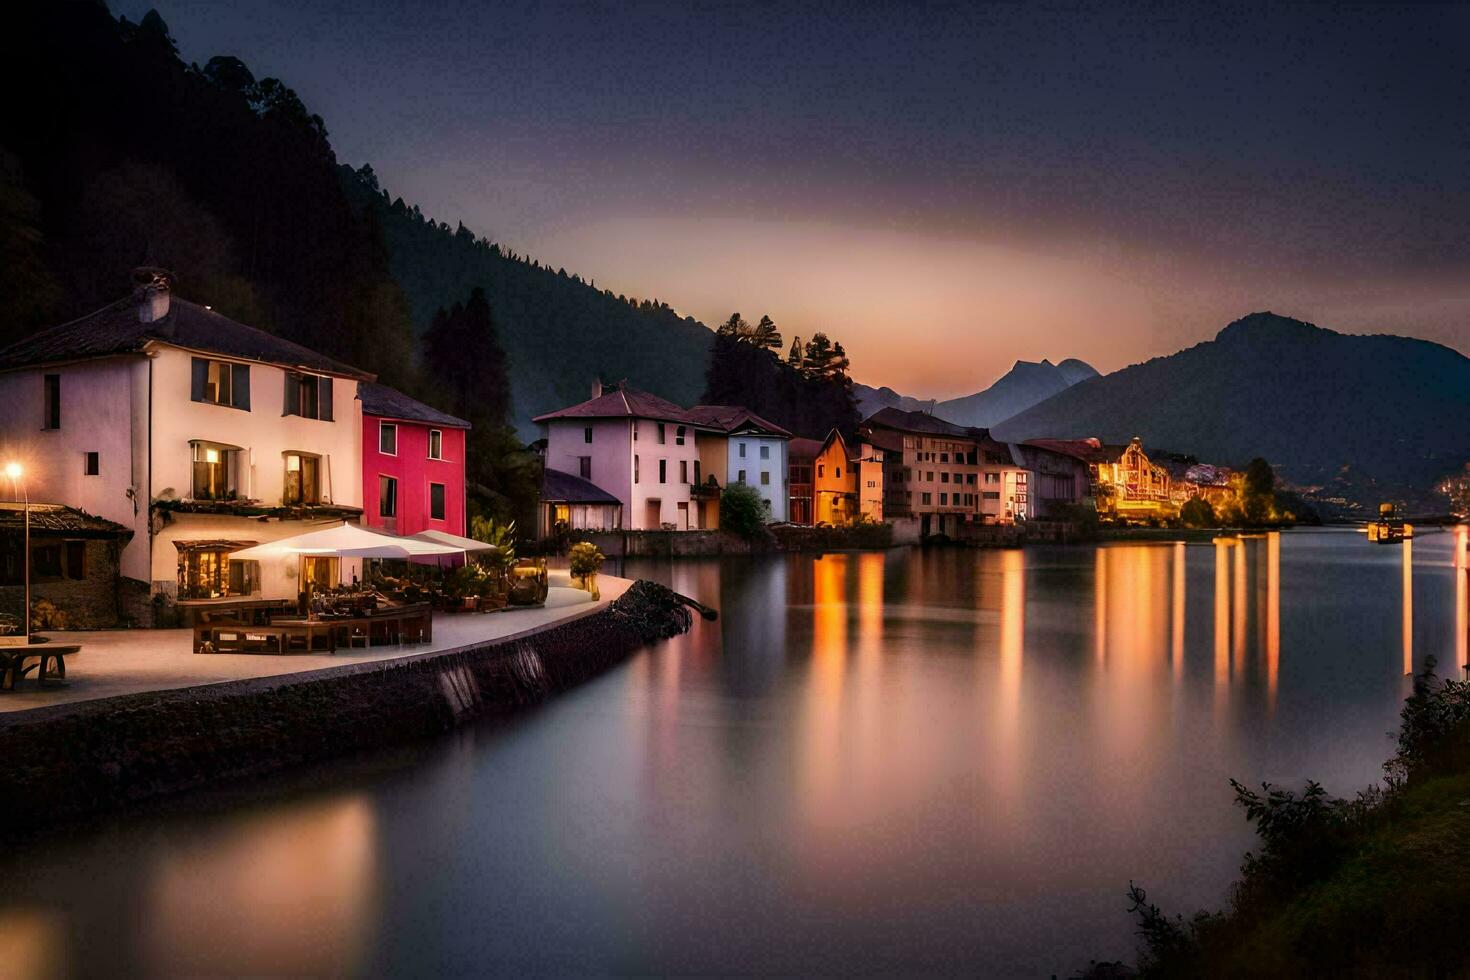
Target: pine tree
793, 357
765, 335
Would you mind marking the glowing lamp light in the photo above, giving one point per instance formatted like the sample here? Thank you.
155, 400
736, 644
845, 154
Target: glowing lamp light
211, 455
13, 470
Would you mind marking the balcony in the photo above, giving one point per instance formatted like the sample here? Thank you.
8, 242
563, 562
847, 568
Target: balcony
709, 490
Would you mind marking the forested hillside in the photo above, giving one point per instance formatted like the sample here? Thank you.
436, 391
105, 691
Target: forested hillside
560, 332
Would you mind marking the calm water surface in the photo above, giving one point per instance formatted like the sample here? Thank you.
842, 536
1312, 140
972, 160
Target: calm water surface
918, 760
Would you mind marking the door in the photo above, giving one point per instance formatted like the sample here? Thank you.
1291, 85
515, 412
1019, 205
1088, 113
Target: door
681, 520
652, 510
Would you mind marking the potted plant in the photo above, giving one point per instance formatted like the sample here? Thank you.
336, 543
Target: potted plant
585, 561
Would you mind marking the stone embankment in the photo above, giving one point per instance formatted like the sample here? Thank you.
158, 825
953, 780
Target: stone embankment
94, 756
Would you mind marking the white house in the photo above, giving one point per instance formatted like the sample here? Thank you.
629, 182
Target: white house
200, 434
639, 448
756, 452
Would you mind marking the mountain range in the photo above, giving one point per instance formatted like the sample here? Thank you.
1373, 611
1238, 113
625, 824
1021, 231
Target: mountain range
1354, 418
1027, 383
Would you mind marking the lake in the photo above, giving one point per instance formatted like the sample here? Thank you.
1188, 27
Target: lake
917, 760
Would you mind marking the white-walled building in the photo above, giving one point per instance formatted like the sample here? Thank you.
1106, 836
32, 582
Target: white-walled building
639, 448
755, 453
200, 434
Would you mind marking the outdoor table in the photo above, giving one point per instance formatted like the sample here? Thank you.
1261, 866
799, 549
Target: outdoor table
413, 624
13, 662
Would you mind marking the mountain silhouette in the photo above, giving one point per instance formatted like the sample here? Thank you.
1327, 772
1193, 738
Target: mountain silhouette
1024, 385
1360, 417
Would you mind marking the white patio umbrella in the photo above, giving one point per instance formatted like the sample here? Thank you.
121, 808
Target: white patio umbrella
344, 541
467, 545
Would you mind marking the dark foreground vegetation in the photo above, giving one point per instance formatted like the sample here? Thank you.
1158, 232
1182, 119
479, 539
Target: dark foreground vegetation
1372, 886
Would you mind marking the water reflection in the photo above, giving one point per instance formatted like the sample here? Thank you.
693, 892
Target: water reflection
1462, 597
1406, 590
892, 762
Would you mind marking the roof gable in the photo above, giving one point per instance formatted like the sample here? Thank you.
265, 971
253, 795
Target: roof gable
116, 329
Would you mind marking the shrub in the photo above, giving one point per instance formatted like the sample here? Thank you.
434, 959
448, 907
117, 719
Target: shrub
585, 558
1197, 512
743, 512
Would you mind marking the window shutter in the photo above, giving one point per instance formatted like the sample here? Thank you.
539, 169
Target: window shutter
293, 395
239, 386
201, 378
324, 400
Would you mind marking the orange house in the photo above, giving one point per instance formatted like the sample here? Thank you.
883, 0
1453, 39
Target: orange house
847, 482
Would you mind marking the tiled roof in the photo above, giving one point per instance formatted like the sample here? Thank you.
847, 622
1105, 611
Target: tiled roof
390, 403
564, 488
799, 448
59, 519
623, 402
733, 418
921, 422
116, 329
1086, 450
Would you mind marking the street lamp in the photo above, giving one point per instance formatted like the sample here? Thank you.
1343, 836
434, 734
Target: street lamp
15, 472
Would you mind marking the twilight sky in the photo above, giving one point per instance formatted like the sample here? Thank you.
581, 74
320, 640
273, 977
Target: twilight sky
944, 189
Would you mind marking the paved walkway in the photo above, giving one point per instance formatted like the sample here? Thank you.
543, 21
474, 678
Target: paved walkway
118, 662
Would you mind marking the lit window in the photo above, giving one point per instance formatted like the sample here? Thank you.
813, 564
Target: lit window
214, 471
303, 480
387, 438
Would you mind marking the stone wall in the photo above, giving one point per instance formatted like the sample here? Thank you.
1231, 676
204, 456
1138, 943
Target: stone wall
94, 756
90, 602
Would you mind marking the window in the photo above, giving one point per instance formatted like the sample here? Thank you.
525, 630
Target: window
220, 383
436, 444
944, 457
742, 449
214, 471
679, 436
584, 467
387, 496
696, 472
765, 452
91, 464
635, 466
991, 495
740, 477
943, 499
303, 480
839, 472
587, 435
970, 479
663, 471
51, 392
683, 471
309, 396
765, 478
387, 438
208, 572
76, 559
46, 561
660, 433
436, 501
821, 469
944, 478
924, 498
992, 477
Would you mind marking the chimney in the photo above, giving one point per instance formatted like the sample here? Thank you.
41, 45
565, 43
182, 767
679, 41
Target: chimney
597, 388
151, 292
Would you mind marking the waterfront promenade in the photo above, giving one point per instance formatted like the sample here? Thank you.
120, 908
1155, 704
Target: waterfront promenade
113, 663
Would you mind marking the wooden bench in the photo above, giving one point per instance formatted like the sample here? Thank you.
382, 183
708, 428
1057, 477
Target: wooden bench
15, 663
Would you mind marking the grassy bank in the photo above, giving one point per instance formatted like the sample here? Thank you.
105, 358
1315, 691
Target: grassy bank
1367, 887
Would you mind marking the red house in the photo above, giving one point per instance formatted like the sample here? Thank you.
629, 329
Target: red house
412, 464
